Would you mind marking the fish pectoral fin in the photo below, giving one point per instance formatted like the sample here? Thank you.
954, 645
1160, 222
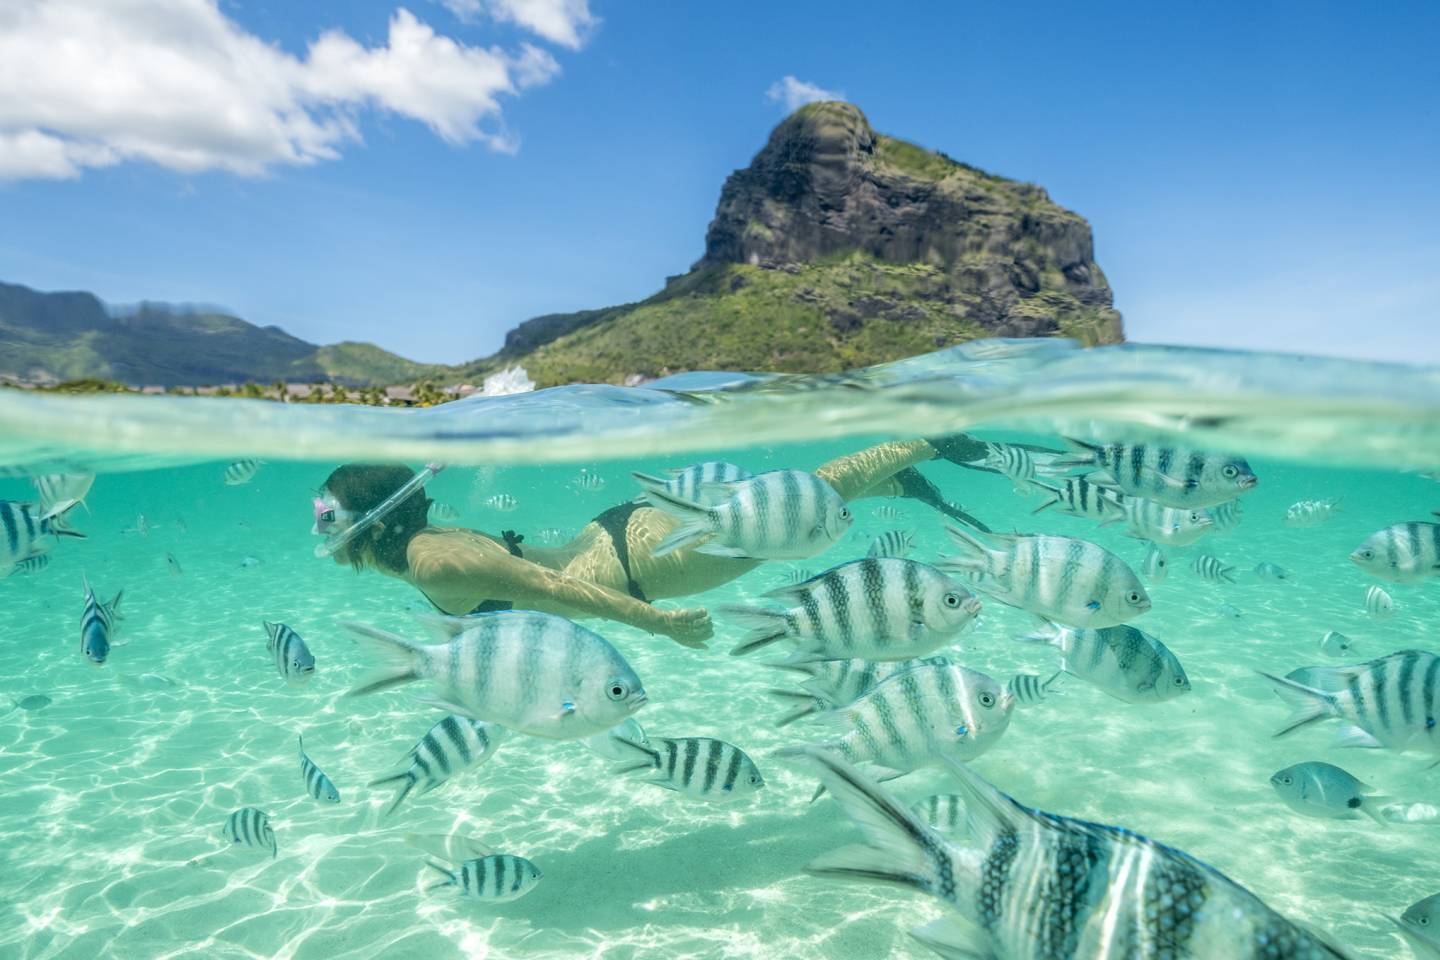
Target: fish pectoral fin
953, 940
1352, 736
721, 550
440, 703
1093, 605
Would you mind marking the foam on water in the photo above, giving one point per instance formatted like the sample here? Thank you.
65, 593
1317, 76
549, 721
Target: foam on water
114, 795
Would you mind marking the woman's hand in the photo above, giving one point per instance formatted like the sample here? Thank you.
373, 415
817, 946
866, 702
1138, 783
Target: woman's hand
689, 628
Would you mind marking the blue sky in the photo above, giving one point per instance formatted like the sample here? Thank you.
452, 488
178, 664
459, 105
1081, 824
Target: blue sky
1257, 175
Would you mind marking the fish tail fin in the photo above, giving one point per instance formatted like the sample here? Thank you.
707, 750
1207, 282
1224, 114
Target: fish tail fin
767, 625
58, 526
1054, 497
1081, 454
409, 780
802, 705
642, 757
449, 875
950, 940
1310, 705
1049, 633
1371, 808
694, 517
900, 849
404, 656
975, 553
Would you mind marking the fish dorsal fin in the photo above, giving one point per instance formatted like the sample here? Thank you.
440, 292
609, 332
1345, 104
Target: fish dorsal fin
444, 628
723, 489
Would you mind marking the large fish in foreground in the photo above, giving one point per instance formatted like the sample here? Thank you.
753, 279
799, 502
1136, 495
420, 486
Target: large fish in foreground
1029, 885
1392, 702
532, 672
1070, 581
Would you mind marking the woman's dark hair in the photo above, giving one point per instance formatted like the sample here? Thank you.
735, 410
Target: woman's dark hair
360, 488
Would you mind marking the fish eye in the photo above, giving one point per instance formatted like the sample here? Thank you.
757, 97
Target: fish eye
844, 513
987, 699
1179, 681
1367, 554
754, 780
1287, 780
617, 690
1230, 472
1134, 596
1423, 921
952, 600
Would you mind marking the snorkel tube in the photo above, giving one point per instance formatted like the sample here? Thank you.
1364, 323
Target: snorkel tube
340, 538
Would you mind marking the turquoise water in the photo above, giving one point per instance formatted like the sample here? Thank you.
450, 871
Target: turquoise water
114, 794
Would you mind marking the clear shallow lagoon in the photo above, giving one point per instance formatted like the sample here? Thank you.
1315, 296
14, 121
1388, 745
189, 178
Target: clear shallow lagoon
113, 791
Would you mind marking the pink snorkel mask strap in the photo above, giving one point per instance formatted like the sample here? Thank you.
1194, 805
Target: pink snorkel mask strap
336, 539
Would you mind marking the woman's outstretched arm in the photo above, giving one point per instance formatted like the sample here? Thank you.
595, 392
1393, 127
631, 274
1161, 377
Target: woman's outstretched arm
855, 474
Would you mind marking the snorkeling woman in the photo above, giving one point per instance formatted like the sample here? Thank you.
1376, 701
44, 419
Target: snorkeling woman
377, 517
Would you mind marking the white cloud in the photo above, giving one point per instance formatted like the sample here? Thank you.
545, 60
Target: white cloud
177, 83
796, 93
566, 22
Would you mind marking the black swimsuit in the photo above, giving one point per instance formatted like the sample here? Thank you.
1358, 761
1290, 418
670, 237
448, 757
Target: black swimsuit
612, 521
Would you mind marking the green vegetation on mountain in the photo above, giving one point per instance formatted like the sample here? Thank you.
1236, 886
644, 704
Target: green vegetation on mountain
839, 247
55, 337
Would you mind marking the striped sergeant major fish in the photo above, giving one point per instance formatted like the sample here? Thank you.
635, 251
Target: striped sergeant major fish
317, 784
1156, 564
1172, 526
1311, 513
293, 660
1128, 664
1079, 497
943, 811
896, 544
1173, 476
1392, 702
887, 513
873, 609
916, 718
1028, 689
779, 515
830, 684
33, 564
23, 531
98, 626
798, 575
497, 878
1420, 925
1378, 603
1403, 553
1028, 884
61, 491
241, 471
534, 673
249, 827
1071, 581
698, 767
700, 482
1012, 461
588, 481
1210, 568
1226, 516
454, 744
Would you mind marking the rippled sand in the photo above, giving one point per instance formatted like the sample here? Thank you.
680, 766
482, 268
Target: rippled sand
112, 797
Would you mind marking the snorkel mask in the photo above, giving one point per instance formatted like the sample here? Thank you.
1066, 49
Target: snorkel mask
339, 525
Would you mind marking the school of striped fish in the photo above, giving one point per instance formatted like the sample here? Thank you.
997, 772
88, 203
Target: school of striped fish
875, 646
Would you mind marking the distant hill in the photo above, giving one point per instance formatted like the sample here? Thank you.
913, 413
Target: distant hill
839, 247
48, 337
